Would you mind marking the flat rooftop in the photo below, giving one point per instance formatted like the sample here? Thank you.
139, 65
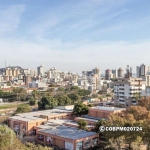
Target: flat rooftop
45, 112
37, 115
91, 117
59, 121
88, 119
68, 132
26, 118
107, 108
75, 124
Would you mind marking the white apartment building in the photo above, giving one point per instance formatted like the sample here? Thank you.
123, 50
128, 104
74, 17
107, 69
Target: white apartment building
147, 80
53, 73
40, 71
124, 89
115, 73
141, 71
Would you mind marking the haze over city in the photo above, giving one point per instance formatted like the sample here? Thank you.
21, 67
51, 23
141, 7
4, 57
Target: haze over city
74, 35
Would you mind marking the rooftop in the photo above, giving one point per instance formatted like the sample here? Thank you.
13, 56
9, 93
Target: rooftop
38, 115
76, 124
68, 132
26, 118
45, 112
88, 119
107, 108
59, 121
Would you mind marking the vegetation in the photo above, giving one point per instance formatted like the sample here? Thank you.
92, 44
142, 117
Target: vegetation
74, 97
24, 108
145, 102
98, 124
32, 101
82, 124
64, 100
83, 92
135, 116
47, 102
137, 96
17, 94
101, 92
80, 109
37, 147
9, 141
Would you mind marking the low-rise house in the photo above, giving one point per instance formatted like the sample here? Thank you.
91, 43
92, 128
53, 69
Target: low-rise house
27, 121
103, 112
67, 138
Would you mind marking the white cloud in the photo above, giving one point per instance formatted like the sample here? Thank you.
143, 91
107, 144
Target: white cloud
10, 18
84, 56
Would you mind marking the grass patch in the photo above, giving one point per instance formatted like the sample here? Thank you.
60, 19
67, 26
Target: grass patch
11, 106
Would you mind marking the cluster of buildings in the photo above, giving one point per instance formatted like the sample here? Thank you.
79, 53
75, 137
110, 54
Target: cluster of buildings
59, 126
128, 89
41, 79
124, 84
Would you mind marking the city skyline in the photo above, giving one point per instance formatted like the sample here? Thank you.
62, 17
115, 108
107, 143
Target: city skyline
76, 35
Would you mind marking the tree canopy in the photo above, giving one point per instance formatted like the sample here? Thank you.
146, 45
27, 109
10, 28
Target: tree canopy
135, 116
64, 100
80, 109
47, 102
74, 97
24, 108
82, 124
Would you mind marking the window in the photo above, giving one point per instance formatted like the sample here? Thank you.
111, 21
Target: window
79, 146
94, 141
41, 138
87, 144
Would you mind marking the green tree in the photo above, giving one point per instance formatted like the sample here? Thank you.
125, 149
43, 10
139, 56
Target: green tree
101, 92
19, 90
9, 141
32, 101
47, 102
101, 122
84, 92
74, 88
137, 96
64, 100
74, 97
24, 108
145, 102
80, 109
82, 124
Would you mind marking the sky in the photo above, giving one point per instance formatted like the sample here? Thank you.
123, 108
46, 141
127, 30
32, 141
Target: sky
74, 35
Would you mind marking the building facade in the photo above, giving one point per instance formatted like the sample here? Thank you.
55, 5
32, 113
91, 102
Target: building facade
125, 89
40, 71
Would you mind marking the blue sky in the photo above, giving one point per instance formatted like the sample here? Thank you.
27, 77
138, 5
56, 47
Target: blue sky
75, 35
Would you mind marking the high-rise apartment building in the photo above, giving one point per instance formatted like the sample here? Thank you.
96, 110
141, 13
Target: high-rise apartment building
120, 73
108, 74
148, 80
96, 71
141, 71
40, 71
128, 72
115, 73
13, 71
125, 89
27, 79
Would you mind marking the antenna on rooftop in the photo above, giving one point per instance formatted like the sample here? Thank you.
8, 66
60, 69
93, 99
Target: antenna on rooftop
5, 63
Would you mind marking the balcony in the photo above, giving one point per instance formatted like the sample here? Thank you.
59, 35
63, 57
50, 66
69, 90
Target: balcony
134, 103
121, 101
